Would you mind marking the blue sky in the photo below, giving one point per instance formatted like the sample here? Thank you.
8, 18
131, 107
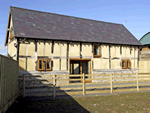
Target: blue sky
135, 12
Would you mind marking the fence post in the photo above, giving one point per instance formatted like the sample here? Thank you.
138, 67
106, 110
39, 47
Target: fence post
54, 83
137, 77
111, 85
83, 84
23, 85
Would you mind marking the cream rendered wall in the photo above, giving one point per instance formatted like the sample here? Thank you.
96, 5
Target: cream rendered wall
12, 50
117, 51
132, 52
144, 67
22, 52
86, 49
113, 51
57, 48
31, 48
40, 48
127, 52
115, 64
63, 48
74, 49
136, 52
132, 63
123, 51
48, 47
22, 49
56, 64
63, 64
31, 64
136, 64
22, 64
105, 51
97, 63
105, 63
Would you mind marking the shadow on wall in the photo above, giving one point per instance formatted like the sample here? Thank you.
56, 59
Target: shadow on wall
39, 99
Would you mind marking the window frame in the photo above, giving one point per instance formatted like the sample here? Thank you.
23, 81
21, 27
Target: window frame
96, 56
50, 65
42, 65
126, 61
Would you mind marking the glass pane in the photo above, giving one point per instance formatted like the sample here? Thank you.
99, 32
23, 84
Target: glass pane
96, 49
123, 63
48, 64
127, 63
40, 64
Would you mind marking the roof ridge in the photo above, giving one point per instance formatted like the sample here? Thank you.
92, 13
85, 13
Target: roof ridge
64, 15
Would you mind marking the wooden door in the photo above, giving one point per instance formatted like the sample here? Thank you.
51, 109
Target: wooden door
85, 69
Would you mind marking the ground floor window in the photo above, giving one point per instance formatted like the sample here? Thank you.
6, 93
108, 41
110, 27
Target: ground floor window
126, 64
44, 64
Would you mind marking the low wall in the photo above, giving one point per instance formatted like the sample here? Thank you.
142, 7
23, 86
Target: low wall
114, 72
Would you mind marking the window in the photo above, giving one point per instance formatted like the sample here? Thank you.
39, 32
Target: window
126, 64
96, 50
47, 64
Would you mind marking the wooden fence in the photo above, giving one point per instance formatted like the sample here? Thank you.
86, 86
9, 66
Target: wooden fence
8, 82
54, 85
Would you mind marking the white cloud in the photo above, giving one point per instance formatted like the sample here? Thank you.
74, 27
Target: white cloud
2, 47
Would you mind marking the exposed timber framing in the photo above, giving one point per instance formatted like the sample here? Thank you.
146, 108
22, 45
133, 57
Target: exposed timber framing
120, 56
60, 56
18, 46
52, 51
109, 57
26, 57
80, 50
67, 60
36, 55
92, 63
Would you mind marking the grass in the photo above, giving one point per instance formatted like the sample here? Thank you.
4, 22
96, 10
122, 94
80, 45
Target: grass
122, 103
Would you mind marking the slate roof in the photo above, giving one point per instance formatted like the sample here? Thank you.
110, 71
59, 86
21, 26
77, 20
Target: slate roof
42, 25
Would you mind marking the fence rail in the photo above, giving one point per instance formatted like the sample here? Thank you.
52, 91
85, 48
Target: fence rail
57, 85
8, 82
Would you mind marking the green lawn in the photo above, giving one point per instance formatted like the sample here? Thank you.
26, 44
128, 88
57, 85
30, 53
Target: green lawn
121, 103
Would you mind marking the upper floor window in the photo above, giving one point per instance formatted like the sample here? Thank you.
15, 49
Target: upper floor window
96, 50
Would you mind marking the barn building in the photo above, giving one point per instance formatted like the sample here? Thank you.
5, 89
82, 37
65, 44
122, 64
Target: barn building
49, 43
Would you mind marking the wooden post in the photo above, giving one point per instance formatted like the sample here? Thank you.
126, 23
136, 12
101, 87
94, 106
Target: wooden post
54, 83
23, 85
83, 84
137, 81
111, 85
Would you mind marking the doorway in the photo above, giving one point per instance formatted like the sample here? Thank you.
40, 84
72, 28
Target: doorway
80, 66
